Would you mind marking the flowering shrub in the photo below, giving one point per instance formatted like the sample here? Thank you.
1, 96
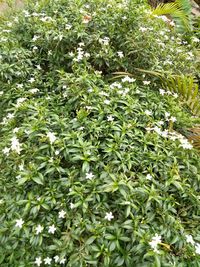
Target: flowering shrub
94, 172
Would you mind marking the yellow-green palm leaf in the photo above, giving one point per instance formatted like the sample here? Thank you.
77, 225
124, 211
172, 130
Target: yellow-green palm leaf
194, 137
187, 89
180, 10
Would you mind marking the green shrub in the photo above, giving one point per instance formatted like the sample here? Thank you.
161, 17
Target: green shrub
94, 172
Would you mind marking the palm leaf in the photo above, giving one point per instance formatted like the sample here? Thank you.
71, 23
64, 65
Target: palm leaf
151, 72
186, 87
179, 10
195, 136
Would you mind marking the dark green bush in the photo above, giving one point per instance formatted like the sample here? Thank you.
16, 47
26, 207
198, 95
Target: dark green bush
94, 171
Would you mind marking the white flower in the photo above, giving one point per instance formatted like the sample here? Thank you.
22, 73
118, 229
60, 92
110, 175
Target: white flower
104, 93
7, 31
107, 102
47, 261
149, 176
61, 214
173, 138
167, 114
9, 24
10, 116
20, 101
38, 67
87, 54
162, 92
157, 130
62, 261
26, 13
35, 14
146, 82
71, 205
128, 79
52, 137
68, 26
197, 248
81, 44
172, 23
81, 128
148, 112
179, 50
52, 229
161, 32
109, 216
21, 167
15, 130
126, 90
1, 93
34, 90
88, 107
189, 239
148, 129
120, 54
6, 151
164, 133
112, 86
186, 145
160, 122
15, 145
71, 54
38, 261
104, 41
57, 152
161, 44
31, 80
155, 241
110, 118
195, 39
5, 121
173, 119
190, 54
175, 95
19, 223
164, 18
169, 93
89, 175
35, 37
39, 229
143, 29
56, 258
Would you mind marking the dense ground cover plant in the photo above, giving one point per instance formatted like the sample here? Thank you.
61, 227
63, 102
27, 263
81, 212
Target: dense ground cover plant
94, 171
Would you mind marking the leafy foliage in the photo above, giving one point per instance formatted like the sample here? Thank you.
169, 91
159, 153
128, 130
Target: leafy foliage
91, 169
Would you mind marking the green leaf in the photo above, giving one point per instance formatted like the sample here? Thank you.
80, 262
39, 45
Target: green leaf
21, 181
38, 180
90, 240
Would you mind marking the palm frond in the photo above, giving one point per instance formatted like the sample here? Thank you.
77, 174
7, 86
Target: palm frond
187, 89
151, 72
179, 10
120, 74
194, 137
